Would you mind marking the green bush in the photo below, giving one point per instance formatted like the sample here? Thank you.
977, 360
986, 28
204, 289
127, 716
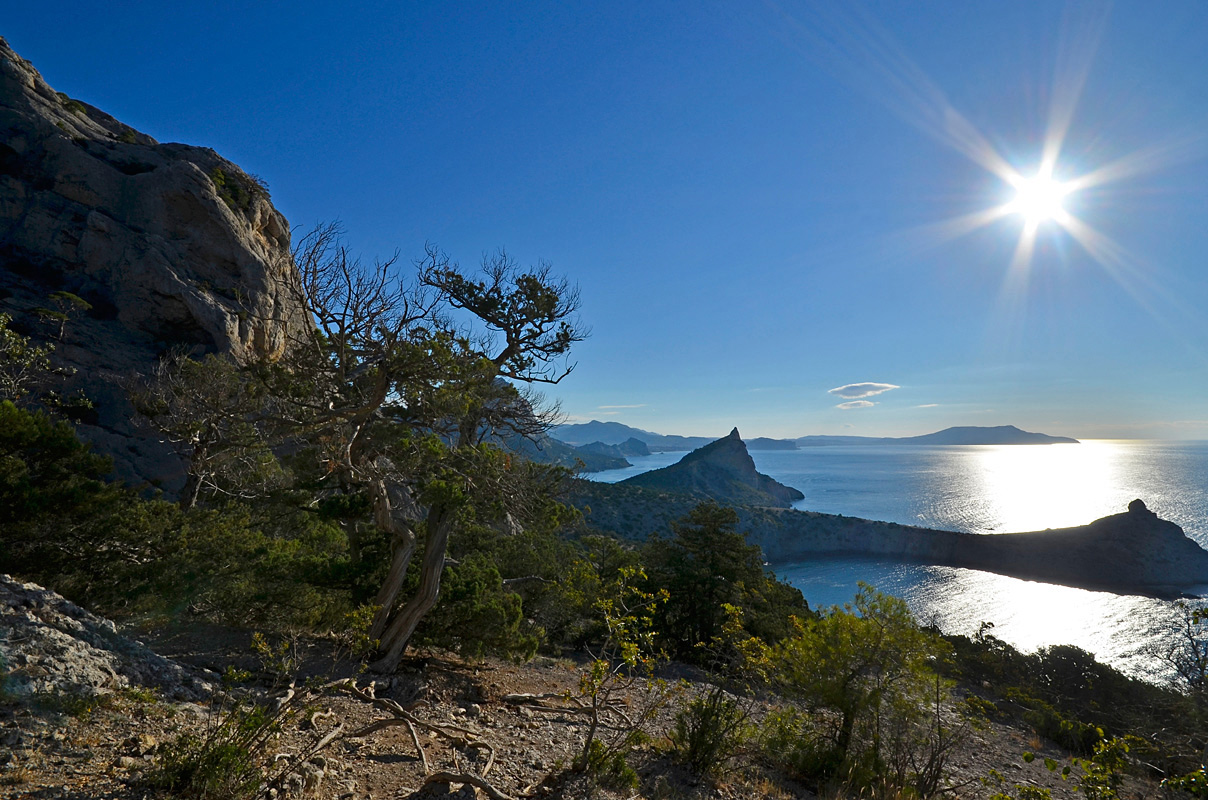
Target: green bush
1055, 726
793, 742
706, 565
74, 106
477, 614
226, 761
710, 731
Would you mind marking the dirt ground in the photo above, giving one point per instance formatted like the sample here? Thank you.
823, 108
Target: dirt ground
467, 719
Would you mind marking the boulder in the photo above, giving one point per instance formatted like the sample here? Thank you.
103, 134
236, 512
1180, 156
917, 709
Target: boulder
49, 644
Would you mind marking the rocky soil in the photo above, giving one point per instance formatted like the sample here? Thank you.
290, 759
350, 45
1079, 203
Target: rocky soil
87, 713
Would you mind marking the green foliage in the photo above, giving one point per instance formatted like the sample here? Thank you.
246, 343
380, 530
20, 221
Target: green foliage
206, 409
278, 662
1019, 791
864, 662
74, 106
710, 731
66, 305
226, 761
45, 471
1188, 655
978, 708
1052, 724
352, 634
867, 671
797, 743
79, 705
1068, 696
100, 544
477, 614
609, 766
1103, 772
1194, 783
22, 364
234, 191
627, 656
708, 565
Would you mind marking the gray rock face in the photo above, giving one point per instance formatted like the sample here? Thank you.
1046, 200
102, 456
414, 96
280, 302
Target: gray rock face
174, 247
49, 644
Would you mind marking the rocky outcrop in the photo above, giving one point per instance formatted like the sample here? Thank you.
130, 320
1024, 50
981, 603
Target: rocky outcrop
722, 471
1130, 553
48, 644
172, 245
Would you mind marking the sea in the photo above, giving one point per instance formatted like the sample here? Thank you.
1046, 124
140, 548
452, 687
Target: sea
996, 489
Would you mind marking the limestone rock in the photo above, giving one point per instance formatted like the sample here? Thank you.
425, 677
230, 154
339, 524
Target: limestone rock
48, 643
173, 245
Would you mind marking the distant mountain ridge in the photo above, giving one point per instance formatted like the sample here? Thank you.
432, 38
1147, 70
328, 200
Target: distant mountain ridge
723, 471
964, 435
615, 433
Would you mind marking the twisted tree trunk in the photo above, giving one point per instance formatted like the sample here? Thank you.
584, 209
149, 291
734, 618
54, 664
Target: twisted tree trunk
402, 625
402, 547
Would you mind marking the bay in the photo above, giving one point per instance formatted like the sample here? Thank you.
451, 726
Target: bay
995, 489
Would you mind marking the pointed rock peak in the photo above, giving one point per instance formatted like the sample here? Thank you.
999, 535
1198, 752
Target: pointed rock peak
734, 435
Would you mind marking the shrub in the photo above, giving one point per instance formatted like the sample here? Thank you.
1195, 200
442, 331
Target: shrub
477, 614
707, 565
74, 106
225, 761
709, 731
234, 190
1055, 726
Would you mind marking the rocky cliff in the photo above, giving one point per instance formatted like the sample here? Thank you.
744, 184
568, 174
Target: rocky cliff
172, 245
723, 471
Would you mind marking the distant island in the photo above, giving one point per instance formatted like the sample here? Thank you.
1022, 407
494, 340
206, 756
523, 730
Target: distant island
1131, 553
965, 435
595, 432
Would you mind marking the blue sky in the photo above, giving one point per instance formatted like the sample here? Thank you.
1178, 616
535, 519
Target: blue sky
751, 196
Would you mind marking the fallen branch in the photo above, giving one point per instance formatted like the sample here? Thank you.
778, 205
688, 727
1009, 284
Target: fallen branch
460, 737
466, 777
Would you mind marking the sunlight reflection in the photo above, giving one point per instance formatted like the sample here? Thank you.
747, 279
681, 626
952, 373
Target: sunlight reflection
1033, 488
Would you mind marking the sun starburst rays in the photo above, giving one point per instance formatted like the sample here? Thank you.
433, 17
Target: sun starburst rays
1050, 200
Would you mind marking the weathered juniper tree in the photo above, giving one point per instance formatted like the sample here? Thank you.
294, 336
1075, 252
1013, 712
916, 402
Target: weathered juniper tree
393, 406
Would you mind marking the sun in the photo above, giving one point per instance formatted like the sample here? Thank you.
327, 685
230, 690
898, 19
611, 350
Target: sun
1039, 199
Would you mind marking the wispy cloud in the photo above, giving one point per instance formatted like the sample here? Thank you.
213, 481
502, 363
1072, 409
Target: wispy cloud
856, 404
854, 390
633, 405
929, 405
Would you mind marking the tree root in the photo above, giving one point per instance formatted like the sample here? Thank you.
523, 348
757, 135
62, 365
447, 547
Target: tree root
462, 738
470, 778
570, 704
